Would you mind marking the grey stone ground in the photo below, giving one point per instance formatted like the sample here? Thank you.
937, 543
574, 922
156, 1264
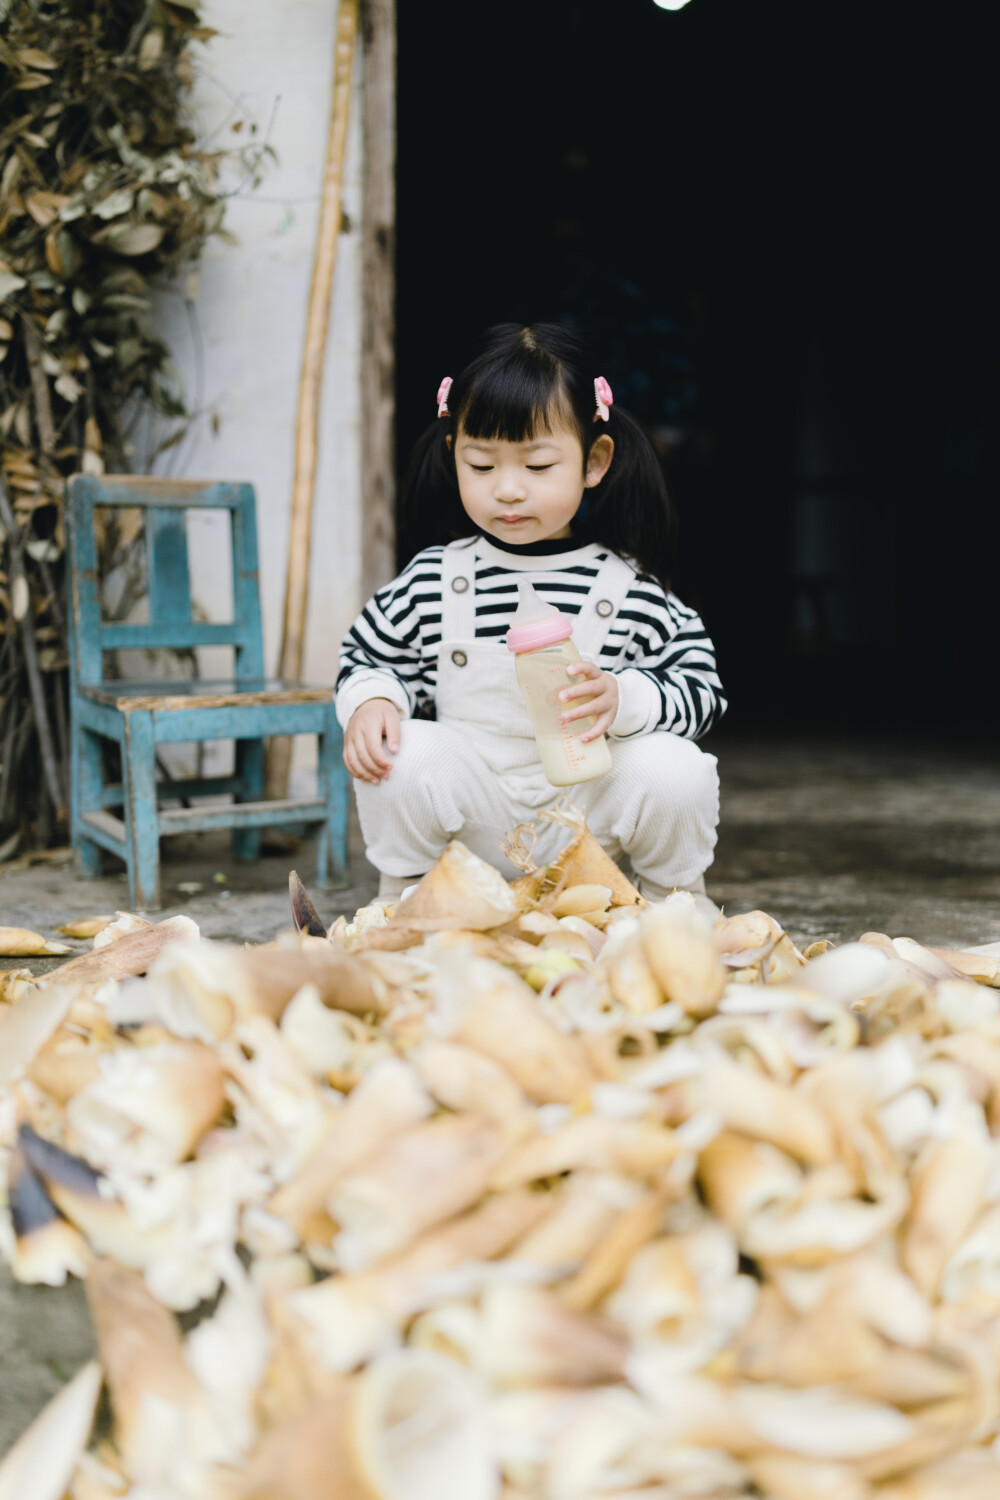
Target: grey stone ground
833, 837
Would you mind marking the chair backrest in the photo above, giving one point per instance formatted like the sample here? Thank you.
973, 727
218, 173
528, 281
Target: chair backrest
165, 503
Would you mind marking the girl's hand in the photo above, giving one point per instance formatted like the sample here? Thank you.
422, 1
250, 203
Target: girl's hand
369, 725
601, 691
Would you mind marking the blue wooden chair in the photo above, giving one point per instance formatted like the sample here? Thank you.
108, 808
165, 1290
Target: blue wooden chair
129, 819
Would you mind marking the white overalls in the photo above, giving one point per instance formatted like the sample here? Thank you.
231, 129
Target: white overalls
475, 773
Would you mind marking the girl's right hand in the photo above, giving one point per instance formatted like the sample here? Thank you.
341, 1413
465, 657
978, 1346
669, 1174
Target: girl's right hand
364, 756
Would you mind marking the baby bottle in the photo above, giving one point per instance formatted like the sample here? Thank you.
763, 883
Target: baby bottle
539, 637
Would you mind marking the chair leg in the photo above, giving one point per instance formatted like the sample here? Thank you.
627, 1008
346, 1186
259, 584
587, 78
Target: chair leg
331, 847
250, 770
86, 784
139, 767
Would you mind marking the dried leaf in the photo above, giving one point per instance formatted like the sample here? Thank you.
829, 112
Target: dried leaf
10, 282
44, 207
114, 204
130, 239
34, 57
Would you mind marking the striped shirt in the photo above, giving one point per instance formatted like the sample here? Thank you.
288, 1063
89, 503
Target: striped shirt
657, 647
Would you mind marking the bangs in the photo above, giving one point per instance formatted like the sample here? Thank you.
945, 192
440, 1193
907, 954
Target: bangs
515, 398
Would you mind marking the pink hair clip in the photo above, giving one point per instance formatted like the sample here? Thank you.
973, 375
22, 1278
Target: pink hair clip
605, 400
443, 390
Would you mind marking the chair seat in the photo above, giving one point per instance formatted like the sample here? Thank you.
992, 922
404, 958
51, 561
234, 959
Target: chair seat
200, 692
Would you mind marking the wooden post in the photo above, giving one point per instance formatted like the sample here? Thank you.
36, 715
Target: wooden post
378, 320
311, 383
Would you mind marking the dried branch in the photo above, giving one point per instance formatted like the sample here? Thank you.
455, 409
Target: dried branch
30, 645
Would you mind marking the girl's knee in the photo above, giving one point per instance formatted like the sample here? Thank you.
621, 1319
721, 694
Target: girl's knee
676, 769
411, 765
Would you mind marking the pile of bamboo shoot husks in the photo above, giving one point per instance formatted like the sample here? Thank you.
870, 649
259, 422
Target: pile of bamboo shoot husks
516, 1190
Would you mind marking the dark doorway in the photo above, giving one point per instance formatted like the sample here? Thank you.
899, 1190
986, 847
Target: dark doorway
771, 219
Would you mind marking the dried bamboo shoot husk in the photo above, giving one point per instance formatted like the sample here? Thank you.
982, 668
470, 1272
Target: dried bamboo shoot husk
266, 1080
41, 1463
971, 1475
505, 1024
821, 1422
609, 1259
232, 982
330, 1044
148, 1106
974, 1267
46, 1249
581, 1211
26, 1026
417, 1180
68, 1061
351, 1318
869, 1287
948, 1186
161, 1415
133, 954
924, 958
464, 1080
21, 942
911, 1379
816, 1107
584, 862
747, 932
982, 967
388, 1099
756, 1106
122, 924
460, 892
411, 1427
751, 1039
85, 927
847, 974
682, 955
814, 1233
631, 981
819, 1348
99, 1477
530, 1337
85, 1200
574, 900
741, 1176
591, 1142
783, 1477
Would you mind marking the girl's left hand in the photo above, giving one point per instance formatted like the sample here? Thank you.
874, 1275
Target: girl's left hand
601, 691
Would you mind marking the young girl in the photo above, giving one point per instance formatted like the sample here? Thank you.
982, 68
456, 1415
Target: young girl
531, 469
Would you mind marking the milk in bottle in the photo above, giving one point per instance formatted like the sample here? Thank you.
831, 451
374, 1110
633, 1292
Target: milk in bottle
540, 638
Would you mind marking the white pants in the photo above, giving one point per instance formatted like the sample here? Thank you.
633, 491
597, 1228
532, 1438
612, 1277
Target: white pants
659, 805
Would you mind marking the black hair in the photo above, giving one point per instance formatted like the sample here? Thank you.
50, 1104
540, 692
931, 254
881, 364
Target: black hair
520, 380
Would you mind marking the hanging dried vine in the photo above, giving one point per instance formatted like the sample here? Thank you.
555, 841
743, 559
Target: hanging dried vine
105, 195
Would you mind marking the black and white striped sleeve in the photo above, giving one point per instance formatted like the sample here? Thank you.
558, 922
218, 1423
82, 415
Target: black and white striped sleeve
384, 654
667, 679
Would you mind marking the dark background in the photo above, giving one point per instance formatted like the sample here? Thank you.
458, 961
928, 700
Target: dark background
770, 218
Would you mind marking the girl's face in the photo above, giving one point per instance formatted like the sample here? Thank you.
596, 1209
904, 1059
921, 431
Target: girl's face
529, 491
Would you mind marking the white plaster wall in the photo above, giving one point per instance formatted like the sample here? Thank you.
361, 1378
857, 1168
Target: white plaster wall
276, 61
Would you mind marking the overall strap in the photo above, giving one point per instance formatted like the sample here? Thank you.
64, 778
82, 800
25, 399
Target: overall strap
458, 591
614, 579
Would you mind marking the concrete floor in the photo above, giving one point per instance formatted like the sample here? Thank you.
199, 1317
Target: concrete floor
832, 836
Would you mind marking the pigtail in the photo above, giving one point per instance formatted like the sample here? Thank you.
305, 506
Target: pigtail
630, 511
430, 509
